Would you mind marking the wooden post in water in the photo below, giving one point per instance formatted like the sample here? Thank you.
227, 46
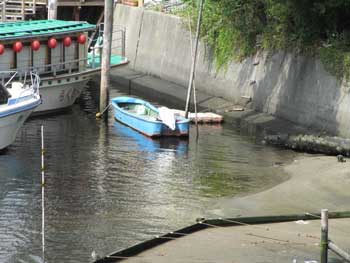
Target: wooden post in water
193, 67
324, 235
106, 54
52, 10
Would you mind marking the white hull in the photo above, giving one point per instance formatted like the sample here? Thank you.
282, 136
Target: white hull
9, 126
60, 95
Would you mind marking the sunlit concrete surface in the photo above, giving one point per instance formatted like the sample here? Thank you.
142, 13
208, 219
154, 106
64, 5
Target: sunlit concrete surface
281, 242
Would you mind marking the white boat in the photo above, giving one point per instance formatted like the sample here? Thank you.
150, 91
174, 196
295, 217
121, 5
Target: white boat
18, 99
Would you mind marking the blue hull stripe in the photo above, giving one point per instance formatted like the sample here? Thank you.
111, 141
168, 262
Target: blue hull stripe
20, 109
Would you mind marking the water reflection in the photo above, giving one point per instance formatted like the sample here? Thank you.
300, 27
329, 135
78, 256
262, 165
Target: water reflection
16, 204
148, 145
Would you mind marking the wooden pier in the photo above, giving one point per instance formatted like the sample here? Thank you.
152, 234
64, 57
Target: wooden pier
21, 9
80, 3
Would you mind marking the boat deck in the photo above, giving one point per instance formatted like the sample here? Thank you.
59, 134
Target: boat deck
277, 242
95, 62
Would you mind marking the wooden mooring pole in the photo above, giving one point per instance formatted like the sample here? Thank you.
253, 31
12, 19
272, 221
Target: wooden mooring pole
193, 67
106, 53
52, 10
324, 235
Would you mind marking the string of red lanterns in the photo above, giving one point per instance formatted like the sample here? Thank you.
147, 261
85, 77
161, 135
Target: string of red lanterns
35, 45
67, 41
52, 43
2, 49
81, 39
17, 46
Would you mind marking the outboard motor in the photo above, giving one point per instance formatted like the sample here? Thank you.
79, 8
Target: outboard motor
4, 95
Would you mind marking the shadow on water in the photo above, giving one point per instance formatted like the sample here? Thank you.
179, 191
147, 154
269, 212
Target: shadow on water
108, 187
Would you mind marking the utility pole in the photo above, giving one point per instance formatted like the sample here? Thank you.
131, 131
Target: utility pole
52, 10
106, 53
193, 67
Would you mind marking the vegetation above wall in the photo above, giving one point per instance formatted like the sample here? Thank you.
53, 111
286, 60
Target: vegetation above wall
236, 29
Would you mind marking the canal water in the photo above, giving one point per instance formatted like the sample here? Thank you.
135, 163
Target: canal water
108, 187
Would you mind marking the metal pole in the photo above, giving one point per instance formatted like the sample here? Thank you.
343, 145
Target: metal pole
34, 7
193, 67
23, 9
52, 10
3, 11
324, 235
337, 250
106, 53
123, 43
42, 195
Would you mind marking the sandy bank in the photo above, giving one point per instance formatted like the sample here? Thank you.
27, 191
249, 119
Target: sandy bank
316, 182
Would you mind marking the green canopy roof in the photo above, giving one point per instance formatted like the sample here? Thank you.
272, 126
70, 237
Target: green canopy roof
39, 28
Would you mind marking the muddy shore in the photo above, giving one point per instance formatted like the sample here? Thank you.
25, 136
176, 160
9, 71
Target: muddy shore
315, 182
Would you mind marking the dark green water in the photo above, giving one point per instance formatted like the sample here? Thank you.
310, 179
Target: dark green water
108, 187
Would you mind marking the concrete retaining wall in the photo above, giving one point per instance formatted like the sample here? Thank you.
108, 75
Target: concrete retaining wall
285, 85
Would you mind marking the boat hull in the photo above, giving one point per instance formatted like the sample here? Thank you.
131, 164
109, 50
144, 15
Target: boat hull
60, 96
9, 126
146, 128
151, 128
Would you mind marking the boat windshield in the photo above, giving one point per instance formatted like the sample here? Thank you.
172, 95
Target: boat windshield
4, 95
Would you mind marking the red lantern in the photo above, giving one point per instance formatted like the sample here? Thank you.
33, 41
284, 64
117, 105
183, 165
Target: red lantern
67, 41
17, 46
2, 49
52, 43
35, 45
81, 39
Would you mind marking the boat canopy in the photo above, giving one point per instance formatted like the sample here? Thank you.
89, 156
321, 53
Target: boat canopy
4, 95
40, 28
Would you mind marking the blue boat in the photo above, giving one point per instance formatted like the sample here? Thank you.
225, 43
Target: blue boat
145, 118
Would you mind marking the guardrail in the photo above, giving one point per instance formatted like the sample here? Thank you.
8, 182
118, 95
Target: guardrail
118, 42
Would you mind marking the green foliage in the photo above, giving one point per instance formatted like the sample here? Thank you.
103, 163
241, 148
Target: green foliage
335, 56
235, 29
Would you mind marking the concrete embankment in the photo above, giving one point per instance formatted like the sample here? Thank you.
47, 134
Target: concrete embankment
288, 86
